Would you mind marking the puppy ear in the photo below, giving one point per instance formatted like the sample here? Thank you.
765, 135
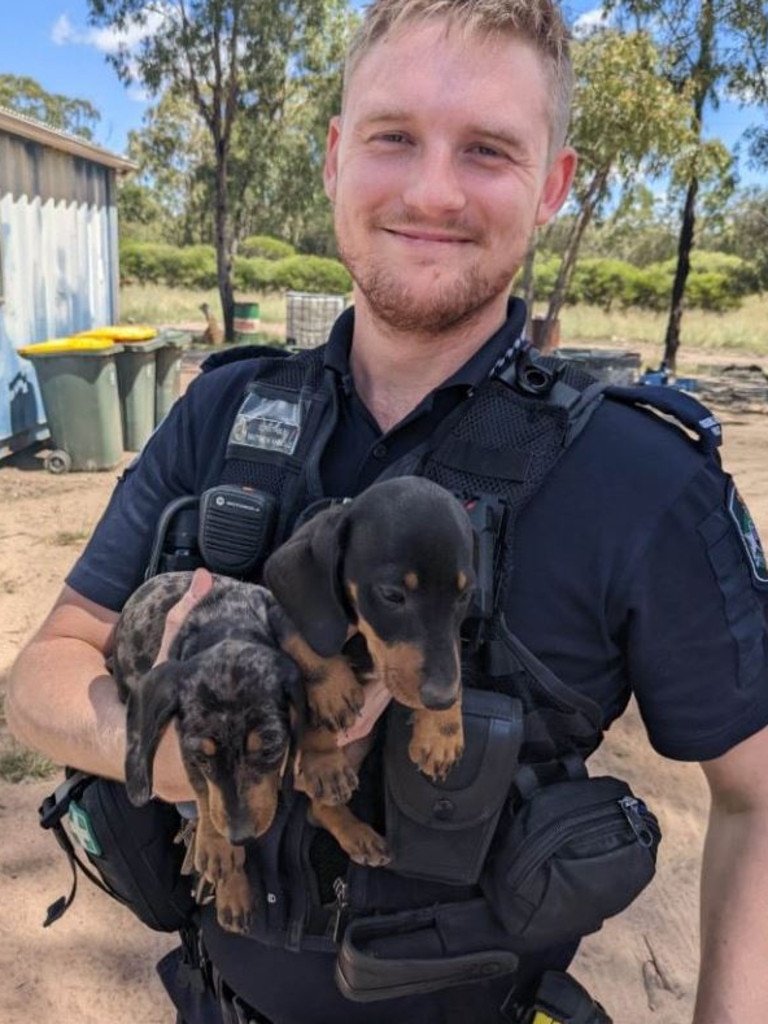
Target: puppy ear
148, 712
303, 574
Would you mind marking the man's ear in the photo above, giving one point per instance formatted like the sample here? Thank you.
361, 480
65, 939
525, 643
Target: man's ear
557, 184
330, 168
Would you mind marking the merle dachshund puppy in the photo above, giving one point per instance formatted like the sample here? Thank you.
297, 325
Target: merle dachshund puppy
230, 689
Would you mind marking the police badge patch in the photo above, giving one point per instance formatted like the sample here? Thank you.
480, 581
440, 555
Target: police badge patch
268, 423
747, 531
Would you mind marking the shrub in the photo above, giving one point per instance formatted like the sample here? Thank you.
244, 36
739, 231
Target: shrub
256, 274
312, 274
266, 248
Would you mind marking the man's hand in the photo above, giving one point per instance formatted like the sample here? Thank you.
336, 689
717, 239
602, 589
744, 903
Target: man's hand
200, 587
377, 697
168, 764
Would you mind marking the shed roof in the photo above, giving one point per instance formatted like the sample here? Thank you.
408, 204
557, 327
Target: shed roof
36, 131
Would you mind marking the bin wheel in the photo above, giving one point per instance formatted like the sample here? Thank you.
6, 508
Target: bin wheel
58, 461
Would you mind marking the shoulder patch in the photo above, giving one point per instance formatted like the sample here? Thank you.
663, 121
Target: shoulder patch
748, 535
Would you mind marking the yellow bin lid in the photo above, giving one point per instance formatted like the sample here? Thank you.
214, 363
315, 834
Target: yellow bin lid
63, 345
121, 332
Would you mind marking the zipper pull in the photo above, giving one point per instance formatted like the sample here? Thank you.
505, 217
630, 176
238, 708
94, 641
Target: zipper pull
635, 812
341, 913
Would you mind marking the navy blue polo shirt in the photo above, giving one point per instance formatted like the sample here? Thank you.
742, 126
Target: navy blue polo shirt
631, 574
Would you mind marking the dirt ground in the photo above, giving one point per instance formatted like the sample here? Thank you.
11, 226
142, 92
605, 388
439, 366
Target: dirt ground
96, 965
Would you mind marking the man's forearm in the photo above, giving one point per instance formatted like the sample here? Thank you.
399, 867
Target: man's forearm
733, 981
62, 702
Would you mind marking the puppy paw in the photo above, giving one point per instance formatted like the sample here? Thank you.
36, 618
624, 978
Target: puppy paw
234, 902
365, 846
326, 777
437, 742
333, 706
216, 858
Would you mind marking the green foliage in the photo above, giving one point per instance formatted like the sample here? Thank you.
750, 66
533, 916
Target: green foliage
256, 274
194, 266
312, 274
717, 283
26, 96
265, 247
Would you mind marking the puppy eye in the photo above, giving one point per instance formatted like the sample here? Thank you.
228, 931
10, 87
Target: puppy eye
391, 595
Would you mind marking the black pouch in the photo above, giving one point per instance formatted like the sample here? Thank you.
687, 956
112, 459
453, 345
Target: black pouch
131, 851
572, 855
441, 831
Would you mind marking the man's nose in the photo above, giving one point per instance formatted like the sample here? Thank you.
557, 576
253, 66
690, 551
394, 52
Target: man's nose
434, 186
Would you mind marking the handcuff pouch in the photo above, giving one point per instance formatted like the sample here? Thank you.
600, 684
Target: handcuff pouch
441, 830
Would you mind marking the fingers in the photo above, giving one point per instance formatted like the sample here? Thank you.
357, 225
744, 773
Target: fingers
376, 699
200, 587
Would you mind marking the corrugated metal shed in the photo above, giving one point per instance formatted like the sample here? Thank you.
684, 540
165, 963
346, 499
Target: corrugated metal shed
58, 255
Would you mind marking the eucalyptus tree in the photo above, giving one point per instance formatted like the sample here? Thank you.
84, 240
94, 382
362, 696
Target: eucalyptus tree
239, 63
26, 96
712, 49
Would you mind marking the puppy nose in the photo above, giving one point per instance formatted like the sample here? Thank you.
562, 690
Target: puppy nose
436, 696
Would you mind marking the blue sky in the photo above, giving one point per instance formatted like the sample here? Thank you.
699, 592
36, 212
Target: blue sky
51, 41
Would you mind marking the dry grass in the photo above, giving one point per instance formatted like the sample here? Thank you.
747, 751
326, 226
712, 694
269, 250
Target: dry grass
744, 330
157, 304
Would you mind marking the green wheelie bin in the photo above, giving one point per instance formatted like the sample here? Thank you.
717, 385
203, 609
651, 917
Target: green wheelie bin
136, 376
78, 385
168, 370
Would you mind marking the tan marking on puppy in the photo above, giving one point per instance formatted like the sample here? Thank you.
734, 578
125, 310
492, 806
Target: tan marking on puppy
253, 743
462, 582
262, 803
437, 740
234, 902
326, 776
208, 746
334, 695
216, 811
411, 580
359, 841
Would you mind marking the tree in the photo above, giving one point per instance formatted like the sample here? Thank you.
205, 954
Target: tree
627, 122
26, 96
711, 47
239, 63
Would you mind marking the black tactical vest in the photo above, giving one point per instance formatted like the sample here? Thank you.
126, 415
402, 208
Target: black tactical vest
496, 448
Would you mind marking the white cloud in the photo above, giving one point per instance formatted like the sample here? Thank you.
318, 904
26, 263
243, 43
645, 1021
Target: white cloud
590, 21
105, 40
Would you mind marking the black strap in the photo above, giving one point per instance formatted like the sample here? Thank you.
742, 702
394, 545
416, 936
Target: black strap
678, 404
51, 813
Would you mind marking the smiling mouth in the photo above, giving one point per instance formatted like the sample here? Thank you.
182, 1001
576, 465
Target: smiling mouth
427, 237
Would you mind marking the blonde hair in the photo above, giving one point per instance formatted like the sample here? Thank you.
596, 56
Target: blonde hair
536, 22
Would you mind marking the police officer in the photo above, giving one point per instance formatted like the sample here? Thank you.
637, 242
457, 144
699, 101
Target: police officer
637, 567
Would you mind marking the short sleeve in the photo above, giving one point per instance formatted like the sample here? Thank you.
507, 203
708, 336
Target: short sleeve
183, 457
696, 641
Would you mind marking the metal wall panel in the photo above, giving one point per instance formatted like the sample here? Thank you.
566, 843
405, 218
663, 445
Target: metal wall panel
59, 266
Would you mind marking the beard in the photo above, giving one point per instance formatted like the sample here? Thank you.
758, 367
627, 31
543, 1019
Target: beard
450, 303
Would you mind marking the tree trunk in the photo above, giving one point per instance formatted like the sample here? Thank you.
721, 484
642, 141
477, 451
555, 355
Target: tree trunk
677, 302
527, 293
568, 263
224, 248
702, 76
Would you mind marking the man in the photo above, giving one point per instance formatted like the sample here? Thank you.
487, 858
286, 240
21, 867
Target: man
629, 568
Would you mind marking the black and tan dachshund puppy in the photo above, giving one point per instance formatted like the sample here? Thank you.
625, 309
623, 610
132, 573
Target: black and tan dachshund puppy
230, 688
394, 564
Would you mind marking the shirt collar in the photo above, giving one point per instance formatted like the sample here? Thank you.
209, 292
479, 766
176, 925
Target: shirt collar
476, 369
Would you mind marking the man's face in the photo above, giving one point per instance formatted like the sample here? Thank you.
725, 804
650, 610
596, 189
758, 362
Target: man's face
438, 169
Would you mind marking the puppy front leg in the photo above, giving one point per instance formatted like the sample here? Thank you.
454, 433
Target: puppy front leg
334, 695
359, 841
323, 770
222, 864
437, 740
